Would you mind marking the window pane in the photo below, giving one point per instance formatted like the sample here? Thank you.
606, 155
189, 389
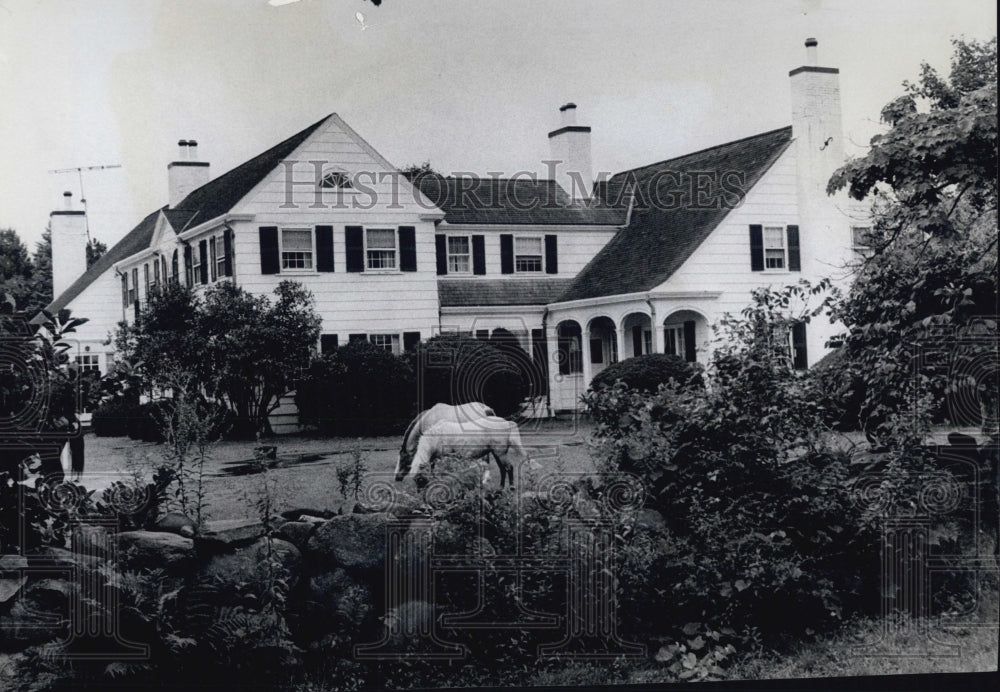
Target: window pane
298, 239
525, 263
458, 245
381, 238
774, 237
528, 246
458, 263
381, 259
774, 259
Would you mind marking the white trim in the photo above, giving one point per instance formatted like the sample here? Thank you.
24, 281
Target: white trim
541, 254
448, 253
514, 310
281, 248
524, 228
396, 250
212, 224
629, 297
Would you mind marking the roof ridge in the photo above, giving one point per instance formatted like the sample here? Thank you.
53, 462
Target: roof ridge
251, 160
701, 151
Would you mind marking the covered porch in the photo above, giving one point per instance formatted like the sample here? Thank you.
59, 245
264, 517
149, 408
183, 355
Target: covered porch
586, 339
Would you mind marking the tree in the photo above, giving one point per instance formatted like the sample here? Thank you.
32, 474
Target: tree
21, 279
95, 250
241, 350
933, 180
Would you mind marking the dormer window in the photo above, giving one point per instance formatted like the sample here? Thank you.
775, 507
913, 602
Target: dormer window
336, 180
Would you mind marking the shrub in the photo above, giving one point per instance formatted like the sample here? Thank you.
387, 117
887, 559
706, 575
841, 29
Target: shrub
841, 391
648, 372
359, 389
147, 422
112, 418
763, 534
457, 369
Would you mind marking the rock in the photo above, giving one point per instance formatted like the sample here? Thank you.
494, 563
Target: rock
177, 523
91, 540
296, 532
352, 541
50, 556
139, 550
250, 564
299, 513
53, 595
10, 587
226, 535
12, 563
407, 623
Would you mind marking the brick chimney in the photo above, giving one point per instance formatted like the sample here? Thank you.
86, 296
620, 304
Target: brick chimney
69, 245
570, 147
816, 121
186, 173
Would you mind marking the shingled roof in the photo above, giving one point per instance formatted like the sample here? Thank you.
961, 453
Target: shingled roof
476, 292
212, 199
136, 240
665, 227
472, 200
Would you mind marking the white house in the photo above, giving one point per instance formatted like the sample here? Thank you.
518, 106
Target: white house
583, 273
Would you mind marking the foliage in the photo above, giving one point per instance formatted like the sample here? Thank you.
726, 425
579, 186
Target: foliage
457, 369
762, 532
351, 474
358, 389
932, 276
648, 372
111, 419
95, 250
231, 346
22, 278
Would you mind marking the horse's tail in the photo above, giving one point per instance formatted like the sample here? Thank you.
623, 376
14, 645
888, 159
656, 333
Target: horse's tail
76, 454
409, 431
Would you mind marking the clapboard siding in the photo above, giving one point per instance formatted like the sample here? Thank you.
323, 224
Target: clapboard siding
575, 248
722, 262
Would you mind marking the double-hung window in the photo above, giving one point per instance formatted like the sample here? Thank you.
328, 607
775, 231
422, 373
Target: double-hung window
196, 264
88, 362
380, 248
527, 254
133, 291
387, 342
459, 255
861, 242
296, 249
774, 247
220, 259
212, 255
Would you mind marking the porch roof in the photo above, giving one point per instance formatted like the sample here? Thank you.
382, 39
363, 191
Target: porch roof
476, 292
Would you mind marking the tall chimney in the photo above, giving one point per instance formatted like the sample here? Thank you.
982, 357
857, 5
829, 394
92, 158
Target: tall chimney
570, 147
816, 122
68, 227
185, 174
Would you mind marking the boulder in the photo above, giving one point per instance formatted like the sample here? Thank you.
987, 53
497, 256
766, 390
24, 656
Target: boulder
407, 624
50, 556
353, 540
91, 540
296, 532
26, 625
53, 595
226, 535
177, 523
250, 565
148, 550
12, 578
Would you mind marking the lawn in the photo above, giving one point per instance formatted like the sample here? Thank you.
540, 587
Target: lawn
305, 473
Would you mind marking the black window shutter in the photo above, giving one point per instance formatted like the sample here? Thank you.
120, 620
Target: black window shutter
689, 352
551, 255
203, 254
800, 359
269, 261
227, 252
506, 253
327, 343
174, 269
188, 272
136, 308
483, 334
756, 247
794, 259
215, 256
637, 340
354, 243
441, 250
407, 249
324, 248
410, 340
478, 254
355, 338
125, 290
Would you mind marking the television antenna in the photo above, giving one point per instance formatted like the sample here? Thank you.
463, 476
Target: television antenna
79, 170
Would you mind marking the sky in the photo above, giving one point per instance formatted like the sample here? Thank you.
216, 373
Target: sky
469, 85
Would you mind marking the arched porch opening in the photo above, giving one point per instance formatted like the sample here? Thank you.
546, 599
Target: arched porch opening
567, 379
637, 335
686, 334
603, 342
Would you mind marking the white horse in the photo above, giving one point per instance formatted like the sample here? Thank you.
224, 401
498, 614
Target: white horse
425, 420
490, 435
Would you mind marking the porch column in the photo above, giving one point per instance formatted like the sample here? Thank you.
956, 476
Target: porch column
657, 329
620, 338
585, 352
